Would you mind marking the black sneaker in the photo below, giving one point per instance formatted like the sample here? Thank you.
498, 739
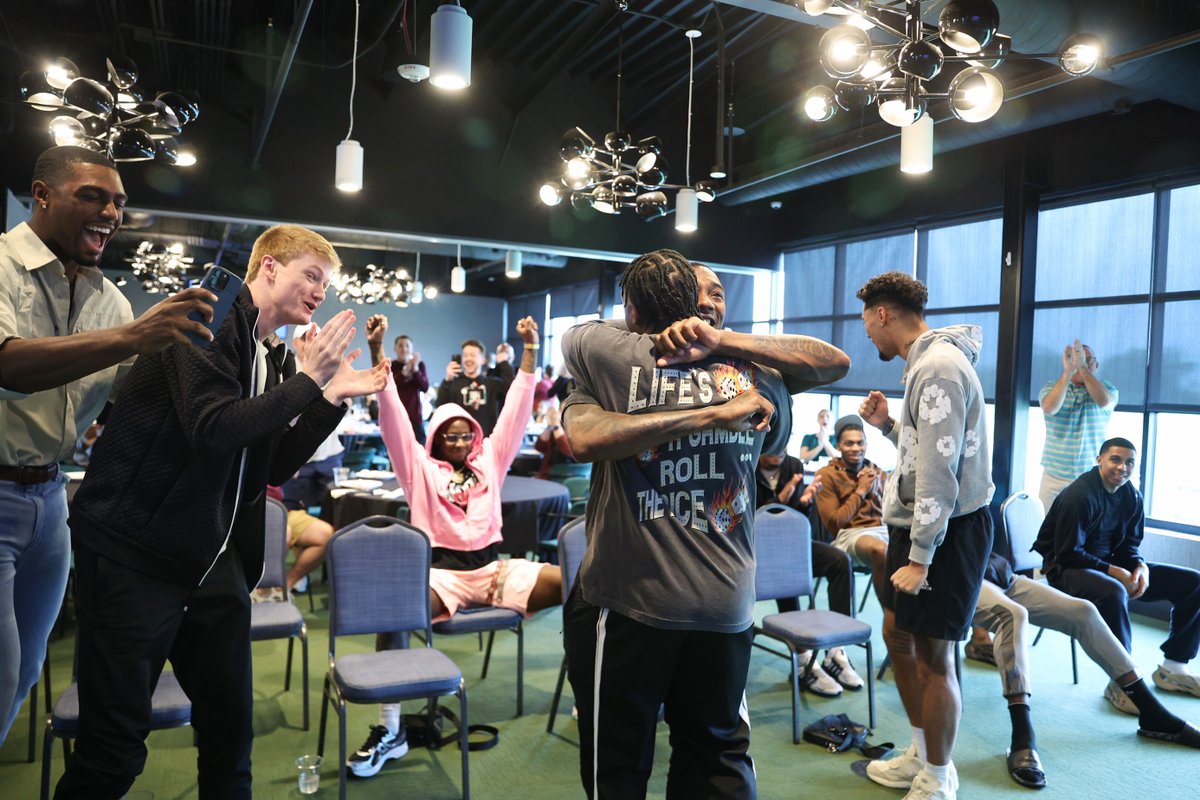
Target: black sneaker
381, 745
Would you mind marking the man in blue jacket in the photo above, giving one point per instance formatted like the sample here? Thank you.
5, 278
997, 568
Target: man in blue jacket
168, 524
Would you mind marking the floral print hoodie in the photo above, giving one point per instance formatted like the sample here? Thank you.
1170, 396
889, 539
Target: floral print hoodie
943, 462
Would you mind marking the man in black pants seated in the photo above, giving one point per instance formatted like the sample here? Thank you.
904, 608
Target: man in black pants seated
1090, 541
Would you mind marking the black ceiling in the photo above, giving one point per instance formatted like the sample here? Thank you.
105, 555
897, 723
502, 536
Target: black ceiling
468, 166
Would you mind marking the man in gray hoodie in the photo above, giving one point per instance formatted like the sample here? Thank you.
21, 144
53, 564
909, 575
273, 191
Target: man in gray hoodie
935, 504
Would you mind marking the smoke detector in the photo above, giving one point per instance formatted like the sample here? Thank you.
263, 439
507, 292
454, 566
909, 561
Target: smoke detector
413, 73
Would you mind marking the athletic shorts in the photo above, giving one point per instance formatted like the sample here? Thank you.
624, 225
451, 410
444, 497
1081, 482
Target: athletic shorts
505, 583
847, 538
298, 522
944, 611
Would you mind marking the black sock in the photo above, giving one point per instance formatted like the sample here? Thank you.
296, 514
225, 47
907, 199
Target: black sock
1022, 727
1152, 715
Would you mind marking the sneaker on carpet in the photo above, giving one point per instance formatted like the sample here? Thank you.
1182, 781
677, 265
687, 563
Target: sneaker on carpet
897, 772
381, 745
301, 586
817, 680
927, 787
1170, 681
1115, 695
838, 665
900, 771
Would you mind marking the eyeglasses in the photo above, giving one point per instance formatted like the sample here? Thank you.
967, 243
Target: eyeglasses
458, 438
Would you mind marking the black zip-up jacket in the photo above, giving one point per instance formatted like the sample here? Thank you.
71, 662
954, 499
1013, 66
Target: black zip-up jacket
1069, 535
160, 491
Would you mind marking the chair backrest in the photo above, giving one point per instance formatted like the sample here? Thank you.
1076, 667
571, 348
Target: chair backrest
572, 543
378, 578
275, 545
782, 553
1022, 516
580, 488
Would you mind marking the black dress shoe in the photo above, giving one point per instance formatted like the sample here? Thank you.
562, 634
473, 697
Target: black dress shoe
1026, 768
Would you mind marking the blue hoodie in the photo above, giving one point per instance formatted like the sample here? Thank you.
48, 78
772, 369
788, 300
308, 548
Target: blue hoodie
943, 462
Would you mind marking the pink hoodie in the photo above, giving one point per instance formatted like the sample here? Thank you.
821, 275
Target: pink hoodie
425, 478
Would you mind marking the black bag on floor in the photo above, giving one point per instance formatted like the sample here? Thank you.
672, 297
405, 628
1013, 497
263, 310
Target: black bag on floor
442, 727
837, 733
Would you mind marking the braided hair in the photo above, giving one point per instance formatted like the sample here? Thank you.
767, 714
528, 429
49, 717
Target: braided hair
662, 286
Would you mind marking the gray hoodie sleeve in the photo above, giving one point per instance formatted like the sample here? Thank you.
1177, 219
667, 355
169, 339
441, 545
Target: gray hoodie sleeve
931, 450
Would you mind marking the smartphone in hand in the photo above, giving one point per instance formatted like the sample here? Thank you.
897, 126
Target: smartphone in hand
226, 286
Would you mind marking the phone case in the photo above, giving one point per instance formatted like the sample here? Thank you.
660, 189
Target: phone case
226, 286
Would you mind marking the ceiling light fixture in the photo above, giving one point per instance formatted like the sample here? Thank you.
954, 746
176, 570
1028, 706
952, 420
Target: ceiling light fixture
512, 264
450, 47
162, 269
596, 175
348, 174
378, 285
113, 117
458, 275
967, 33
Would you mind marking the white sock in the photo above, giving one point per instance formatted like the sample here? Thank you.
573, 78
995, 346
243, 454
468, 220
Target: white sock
941, 772
1175, 666
918, 737
389, 716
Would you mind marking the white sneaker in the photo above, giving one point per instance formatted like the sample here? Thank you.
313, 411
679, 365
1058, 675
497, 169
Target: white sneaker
900, 771
897, 772
927, 787
817, 680
1170, 681
838, 665
1115, 695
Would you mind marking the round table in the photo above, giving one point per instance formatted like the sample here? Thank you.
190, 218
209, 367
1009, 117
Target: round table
532, 509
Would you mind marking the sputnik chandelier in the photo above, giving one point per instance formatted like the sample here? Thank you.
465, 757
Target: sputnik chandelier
161, 269
378, 285
896, 76
616, 175
114, 117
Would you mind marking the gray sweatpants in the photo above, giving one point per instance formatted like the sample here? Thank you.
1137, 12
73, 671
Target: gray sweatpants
1008, 616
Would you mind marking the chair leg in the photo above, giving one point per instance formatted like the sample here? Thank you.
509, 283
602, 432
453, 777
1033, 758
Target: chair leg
1038, 638
558, 687
33, 715
342, 770
1074, 663
487, 656
521, 669
47, 746
870, 684
463, 744
958, 665
887, 659
866, 596
325, 699
287, 673
795, 695
304, 670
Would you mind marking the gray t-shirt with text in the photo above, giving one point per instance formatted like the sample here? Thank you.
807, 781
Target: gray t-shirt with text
670, 531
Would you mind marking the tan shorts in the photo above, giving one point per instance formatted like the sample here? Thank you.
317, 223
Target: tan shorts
506, 583
298, 522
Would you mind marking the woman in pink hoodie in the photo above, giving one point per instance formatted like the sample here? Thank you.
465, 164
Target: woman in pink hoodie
452, 485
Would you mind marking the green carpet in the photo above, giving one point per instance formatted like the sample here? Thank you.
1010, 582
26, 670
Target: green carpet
1089, 749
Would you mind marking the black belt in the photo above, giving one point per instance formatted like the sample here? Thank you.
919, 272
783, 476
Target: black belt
28, 475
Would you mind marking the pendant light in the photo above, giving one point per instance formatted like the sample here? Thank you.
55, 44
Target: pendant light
348, 177
450, 47
687, 208
458, 275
